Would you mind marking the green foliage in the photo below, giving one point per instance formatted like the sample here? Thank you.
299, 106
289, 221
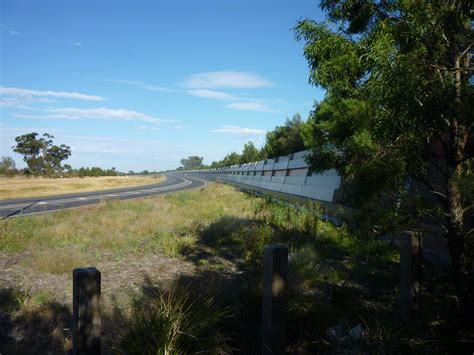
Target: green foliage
7, 166
192, 162
41, 156
250, 153
231, 159
398, 114
94, 171
393, 97
254, 240
285, 139
174, 323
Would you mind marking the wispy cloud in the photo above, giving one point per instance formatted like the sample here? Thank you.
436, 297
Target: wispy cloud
143, 85
240, 131
147, 128
104, 114
211, 94
14, 33
250, 106
45, 117
11, 101
100, 113
226, 79
28, 94
75, 43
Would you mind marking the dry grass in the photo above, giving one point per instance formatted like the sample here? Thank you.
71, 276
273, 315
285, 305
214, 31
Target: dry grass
34, 187
116, 229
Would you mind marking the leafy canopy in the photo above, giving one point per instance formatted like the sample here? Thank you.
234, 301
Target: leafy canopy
250, 153
388, 70
192, 162
285, 139
41, 156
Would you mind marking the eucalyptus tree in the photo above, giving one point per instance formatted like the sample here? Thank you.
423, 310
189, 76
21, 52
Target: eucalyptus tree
399, 104
41, 156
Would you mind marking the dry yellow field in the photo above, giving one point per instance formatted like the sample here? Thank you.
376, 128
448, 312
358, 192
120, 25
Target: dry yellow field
35, 187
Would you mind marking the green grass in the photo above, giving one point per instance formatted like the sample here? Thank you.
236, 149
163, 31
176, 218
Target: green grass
174, 322
169, 225
334, 277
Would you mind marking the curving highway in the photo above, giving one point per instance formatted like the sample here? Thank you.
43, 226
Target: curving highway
25, 206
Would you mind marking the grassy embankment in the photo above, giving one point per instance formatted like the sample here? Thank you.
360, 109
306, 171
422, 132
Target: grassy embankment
35, 186
183, 272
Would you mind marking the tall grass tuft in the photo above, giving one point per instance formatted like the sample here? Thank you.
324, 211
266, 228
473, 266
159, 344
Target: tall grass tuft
175, 323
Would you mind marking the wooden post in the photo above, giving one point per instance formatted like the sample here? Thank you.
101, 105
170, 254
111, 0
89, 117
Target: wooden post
86, 311
274, 303
410, 273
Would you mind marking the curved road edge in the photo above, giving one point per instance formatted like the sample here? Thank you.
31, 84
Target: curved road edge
22, 207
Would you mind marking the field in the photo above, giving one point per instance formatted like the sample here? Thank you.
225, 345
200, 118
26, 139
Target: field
182, 272
35, 186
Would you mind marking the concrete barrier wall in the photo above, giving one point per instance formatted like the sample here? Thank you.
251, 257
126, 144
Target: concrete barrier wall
286, 174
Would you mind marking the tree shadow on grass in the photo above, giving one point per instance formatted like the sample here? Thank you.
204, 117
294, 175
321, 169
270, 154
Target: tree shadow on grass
30, 325
347, 283
218, 244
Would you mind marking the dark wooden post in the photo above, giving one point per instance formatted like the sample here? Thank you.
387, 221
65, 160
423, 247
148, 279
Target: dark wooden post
410, 273
86, 311
274, 303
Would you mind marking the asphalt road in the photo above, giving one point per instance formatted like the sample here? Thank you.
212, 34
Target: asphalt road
25, 206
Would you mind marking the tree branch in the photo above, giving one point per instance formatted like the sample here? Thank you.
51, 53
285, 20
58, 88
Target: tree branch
441, 68
444, 235
441, 197
467, 208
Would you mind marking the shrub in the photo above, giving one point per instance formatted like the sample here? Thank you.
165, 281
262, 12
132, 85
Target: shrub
254, 238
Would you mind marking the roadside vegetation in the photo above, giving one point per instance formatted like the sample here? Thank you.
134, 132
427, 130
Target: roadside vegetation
22, 187
182, 273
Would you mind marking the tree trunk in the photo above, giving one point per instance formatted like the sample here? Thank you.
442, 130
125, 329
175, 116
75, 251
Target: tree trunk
462, 262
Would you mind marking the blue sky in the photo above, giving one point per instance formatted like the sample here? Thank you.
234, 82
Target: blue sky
142, 84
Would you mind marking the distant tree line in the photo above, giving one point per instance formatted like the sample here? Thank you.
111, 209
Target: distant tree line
283, 140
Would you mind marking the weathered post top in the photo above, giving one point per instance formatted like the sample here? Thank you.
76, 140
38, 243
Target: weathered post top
86, 311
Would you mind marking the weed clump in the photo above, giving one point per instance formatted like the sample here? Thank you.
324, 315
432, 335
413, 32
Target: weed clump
174, 323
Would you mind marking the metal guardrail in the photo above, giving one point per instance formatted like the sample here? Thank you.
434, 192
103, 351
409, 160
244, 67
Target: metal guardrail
286, 174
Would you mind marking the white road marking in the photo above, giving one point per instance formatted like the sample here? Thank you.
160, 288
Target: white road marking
61, 202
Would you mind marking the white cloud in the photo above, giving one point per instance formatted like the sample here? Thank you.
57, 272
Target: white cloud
29, 94
211, 94
226, 79
240, 131
104, 113
75, 43
143, 85
250, 106
10, 101
46, 117
14, 33
147, 128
